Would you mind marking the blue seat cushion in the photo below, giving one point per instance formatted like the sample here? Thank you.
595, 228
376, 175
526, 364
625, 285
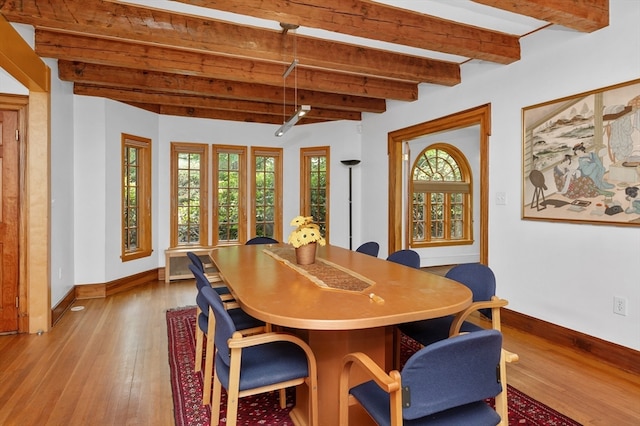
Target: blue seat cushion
376, 403
222, 290
433, 330
242, 320
266, 364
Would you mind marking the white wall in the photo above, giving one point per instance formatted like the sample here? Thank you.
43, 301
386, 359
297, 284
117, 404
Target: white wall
98, 127
563, 273
99, 124
62, 182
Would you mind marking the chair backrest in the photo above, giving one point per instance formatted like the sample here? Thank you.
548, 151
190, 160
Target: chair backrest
405, 257
480, 280
225, 326
202, 321
371, 248
201, 279
452, 372
195, 259
261, 240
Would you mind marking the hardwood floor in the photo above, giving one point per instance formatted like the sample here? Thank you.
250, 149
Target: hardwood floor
107, 365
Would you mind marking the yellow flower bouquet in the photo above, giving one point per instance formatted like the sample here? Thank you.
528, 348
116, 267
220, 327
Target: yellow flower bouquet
306, 232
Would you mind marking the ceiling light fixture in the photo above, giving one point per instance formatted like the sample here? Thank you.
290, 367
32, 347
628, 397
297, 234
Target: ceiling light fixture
303, 109
300, 112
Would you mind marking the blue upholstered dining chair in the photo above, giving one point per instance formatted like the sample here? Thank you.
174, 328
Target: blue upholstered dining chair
481, 280
270, 361
222, 290
261, 240
442, 384
196, 264
244, 322
405, 257
370, 247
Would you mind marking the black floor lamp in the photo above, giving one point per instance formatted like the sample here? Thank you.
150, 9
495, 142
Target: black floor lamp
350, 163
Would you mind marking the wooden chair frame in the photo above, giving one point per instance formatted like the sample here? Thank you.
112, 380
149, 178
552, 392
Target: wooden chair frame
230, 303
494, 304
214, 281
210, 350
239, 342
390, 383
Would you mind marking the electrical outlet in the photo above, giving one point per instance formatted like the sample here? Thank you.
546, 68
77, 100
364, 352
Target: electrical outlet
501, 198
619, 305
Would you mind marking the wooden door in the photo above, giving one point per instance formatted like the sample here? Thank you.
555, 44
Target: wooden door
9, 220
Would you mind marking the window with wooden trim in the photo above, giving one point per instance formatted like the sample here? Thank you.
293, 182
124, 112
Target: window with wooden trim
189, 194
136, 197
230, 194
441, 207
266, 189
314, 186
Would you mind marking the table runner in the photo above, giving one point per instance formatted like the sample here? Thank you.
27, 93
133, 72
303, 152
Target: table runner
323, 273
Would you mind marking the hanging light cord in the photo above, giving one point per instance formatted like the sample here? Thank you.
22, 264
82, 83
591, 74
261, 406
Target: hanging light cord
295, 70
294, 65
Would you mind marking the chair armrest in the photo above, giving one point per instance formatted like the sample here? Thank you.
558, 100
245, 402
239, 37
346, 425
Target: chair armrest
510, 356
461, 317
238, 341
390, 383
373, 370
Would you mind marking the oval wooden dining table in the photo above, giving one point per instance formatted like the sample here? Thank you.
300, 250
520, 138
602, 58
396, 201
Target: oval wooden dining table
335, 320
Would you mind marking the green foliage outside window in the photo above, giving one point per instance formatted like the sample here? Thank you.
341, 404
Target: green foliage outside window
228, 196
265, 196
188, 197
130, 199
318, 188
440, 197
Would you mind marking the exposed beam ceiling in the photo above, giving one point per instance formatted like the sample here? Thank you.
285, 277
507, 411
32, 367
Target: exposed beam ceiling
225, 59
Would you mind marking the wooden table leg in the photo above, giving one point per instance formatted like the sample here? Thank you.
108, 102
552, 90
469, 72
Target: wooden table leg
329, 348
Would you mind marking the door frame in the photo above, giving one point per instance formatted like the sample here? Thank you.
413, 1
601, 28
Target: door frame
481, 116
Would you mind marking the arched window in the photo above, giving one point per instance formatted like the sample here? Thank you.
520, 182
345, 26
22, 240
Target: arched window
441, 207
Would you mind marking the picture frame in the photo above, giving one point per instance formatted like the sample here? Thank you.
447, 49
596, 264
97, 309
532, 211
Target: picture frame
581, 158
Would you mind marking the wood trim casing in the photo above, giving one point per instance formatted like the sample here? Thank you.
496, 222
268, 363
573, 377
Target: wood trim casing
20, 61
97, 291
62, 306
481, 116
617, 355
190, 148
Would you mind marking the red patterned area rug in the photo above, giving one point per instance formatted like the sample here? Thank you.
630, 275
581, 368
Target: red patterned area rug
265, 410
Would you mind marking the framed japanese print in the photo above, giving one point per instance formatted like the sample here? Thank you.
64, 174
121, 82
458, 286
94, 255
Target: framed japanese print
581, 158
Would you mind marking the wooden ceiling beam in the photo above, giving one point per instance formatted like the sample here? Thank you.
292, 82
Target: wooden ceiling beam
129, 55
192, 101
378, 21
580, 15
315, 115
117, 77
162, 28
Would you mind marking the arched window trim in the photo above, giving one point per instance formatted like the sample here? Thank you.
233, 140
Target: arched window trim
465, 187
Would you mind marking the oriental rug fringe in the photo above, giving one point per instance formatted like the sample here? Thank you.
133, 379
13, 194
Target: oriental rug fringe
264, 409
